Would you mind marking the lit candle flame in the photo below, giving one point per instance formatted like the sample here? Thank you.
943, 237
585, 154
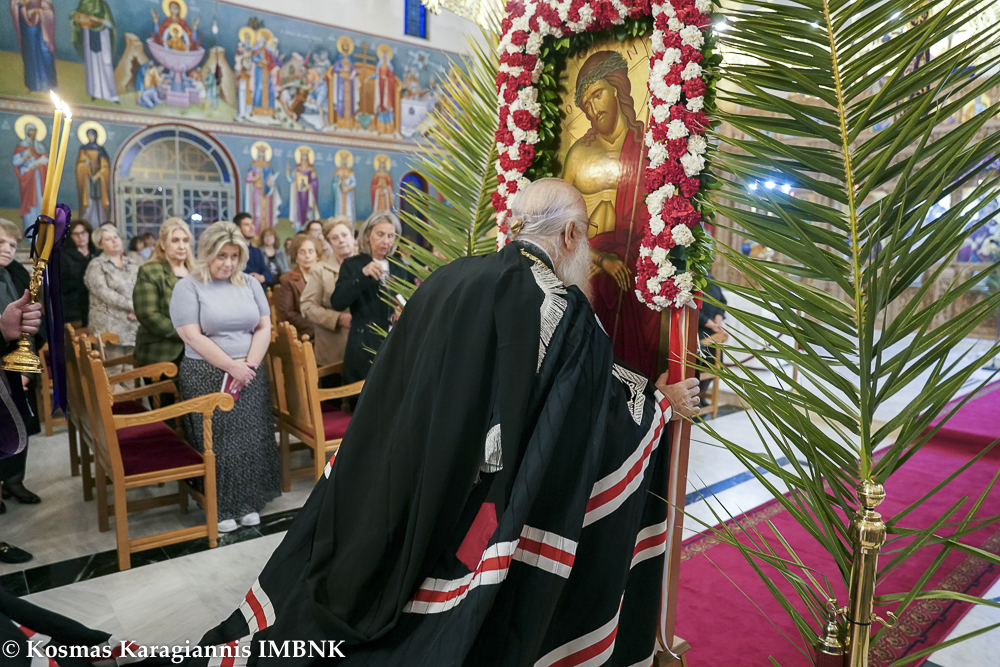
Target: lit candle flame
55, 99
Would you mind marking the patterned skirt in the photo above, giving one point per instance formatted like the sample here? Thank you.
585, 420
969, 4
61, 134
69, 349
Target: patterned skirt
247, 461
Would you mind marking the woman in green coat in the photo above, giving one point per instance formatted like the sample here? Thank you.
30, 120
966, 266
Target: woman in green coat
157, 340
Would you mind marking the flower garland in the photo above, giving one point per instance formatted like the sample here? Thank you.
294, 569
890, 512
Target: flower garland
675, 139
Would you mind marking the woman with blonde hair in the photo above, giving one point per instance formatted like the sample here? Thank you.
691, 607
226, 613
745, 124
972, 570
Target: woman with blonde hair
224, 320
330, 326
172, 258
361, 279
110, 279
288, 293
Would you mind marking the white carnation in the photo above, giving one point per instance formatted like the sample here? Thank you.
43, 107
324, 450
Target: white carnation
656, 225
522, 183
703, 6
534, 44
657, 155
661, 301
691, 36
670, 57
667, 9
697, 144
586, 15
529, 10
653, 284
502, 189
514, 152
511, 175
696, 104
683, 298
519, 135
666, 270
677, 129
682, 235
527, 96
654, 202
672, 95
513, 48
684, 281
520, 23
658, 44
662, 113
675, 24
693, 164
691, 71
659, 255
622, 11
658, 88
644, 251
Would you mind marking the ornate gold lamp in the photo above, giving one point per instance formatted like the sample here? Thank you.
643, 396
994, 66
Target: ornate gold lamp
24, 359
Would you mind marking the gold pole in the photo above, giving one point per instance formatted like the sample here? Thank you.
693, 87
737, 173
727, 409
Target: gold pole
868, 533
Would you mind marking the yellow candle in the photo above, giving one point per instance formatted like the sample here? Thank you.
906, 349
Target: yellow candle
48, 193
49, 238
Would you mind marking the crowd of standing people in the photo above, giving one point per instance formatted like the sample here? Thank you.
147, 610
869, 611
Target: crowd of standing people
210, 312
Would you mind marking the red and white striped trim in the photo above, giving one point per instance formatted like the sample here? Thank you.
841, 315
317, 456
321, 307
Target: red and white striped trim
329, 465
257, 609
650, 543
40, 641
612, 491
590, 650
236, 655
438, 595
546, 551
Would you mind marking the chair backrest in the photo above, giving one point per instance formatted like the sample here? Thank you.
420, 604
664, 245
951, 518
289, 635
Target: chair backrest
97, 395
298, 405
74, 397
269, 293
77, 348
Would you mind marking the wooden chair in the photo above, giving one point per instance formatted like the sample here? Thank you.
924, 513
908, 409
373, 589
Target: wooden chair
82, 424
300, 407
44, 391
713, 392
136, 450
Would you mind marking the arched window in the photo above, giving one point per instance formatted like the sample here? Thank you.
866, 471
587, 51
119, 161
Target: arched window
172, 170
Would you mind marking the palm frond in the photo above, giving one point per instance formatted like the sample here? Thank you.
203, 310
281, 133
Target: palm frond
819, 96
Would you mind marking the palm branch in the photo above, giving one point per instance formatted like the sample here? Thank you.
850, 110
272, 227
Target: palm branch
804, 85
458, 161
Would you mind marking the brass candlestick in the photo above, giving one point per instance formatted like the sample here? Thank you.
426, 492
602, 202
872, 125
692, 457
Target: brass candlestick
869, 535
24, 359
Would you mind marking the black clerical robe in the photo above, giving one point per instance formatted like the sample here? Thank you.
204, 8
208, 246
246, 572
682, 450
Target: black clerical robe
497, 499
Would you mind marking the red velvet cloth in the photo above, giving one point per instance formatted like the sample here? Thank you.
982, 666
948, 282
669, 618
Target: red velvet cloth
128, 408
152, 447
335, 424
714, 577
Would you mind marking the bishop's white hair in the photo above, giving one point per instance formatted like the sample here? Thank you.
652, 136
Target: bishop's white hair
543, 210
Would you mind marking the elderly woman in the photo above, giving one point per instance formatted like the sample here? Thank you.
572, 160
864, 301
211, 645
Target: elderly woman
274, 255
110, 278
14, 280
330, 326
172, 257
74, 258
288, 293
361, 279
223, 318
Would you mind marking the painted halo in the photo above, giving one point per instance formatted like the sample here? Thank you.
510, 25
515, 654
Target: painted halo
343, 156
383, 159
259, 146
180, 3
28, 119
306, 149
81, 133
345, 45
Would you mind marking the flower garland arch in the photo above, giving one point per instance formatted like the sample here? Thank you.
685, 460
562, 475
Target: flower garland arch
674, 250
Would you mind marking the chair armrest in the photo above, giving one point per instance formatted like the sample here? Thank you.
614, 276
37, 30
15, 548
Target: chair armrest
108, 337
341, 392
153, 372
127, 360
155, 389
204, 405
330, 368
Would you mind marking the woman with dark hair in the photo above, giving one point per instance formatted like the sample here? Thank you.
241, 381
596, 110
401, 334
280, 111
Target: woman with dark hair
606, 166
288, 293
361, 279
274, 255
74, 259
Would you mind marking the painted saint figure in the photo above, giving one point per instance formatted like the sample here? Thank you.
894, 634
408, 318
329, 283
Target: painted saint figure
605, 165
34, 24
262, 194
382, 187
344, 184
265, 73
243, 67
93, 36
344, 87
385, 91
174, 32
30, 162
304, 196
147, 85
93, 175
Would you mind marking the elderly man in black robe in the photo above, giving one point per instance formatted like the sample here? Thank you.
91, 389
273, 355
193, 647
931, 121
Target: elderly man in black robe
497, 499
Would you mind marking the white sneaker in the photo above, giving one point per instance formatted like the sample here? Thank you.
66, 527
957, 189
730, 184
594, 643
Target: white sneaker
228, 526
252, 519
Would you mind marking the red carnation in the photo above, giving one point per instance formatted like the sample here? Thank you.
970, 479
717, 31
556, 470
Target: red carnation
673, 78
678, 112
689, 54
677, 207
574, 9
692, 219
696, 123
639, 9
528, 61
505, 26
689, 186
672, 40
665, 240
688, 15
659, 131
510, 94
669, 290
524, 78
511, 188
694, 88
672, 171
604, 14
678, 5
504, 113
498, 203
653, 178
676, 148
515, 9
662, 22
550, 15
520, 38
524, 120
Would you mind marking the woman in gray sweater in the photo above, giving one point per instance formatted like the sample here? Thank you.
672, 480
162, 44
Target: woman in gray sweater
225, 323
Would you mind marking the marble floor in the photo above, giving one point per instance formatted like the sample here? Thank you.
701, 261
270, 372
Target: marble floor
75, 568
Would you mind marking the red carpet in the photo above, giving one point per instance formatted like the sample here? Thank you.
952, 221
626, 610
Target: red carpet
725, 629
